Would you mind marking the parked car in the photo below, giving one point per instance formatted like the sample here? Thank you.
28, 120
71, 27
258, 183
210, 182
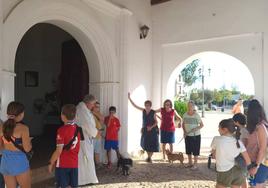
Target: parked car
214, 107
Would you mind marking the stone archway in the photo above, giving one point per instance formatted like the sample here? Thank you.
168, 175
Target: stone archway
76, 19
246, 47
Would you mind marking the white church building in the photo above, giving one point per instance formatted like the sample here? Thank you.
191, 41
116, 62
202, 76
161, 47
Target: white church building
53, 50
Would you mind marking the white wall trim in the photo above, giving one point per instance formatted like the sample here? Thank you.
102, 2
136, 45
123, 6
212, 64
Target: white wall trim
8, 73
211, 39
105, 7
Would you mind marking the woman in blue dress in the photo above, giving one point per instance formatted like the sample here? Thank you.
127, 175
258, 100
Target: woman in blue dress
150, 131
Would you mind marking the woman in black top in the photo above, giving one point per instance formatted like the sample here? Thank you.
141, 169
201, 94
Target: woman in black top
150, 132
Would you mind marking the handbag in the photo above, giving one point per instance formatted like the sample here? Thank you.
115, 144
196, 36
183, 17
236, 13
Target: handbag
68, 146
240, 162
29, 154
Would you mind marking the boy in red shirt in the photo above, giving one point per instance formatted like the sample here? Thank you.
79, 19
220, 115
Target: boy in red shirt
111, 140
66, 153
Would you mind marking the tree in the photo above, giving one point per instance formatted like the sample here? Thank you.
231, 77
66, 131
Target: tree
188, 73
196, 96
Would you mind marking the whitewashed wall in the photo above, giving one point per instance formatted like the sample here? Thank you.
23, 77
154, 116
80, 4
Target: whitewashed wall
1, 56
124, 60
139, 58
179, 21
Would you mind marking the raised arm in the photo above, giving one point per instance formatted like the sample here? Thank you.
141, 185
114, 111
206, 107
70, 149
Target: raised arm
136, 106
158, 110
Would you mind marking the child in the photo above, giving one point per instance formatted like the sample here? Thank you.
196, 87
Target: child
240, 122
98, 139
66, 153
111, 139
225, 148
15, 141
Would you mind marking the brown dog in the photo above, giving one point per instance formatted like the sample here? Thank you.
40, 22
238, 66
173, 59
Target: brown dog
174, 156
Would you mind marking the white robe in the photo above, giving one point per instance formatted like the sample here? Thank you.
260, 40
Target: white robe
86, 166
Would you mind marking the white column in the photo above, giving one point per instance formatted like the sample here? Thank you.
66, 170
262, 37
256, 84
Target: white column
8, 80
106, 93
122, 42
1, 55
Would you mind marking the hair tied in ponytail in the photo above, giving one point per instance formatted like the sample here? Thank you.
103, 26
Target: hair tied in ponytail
11, 116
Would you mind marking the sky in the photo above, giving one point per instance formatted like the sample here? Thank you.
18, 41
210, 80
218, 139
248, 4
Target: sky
226, 71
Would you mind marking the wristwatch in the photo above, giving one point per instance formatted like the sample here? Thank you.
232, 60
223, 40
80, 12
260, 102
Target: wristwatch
253, 165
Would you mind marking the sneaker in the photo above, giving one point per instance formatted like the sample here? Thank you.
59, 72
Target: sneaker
109, 165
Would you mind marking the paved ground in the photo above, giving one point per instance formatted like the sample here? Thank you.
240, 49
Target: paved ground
160, 173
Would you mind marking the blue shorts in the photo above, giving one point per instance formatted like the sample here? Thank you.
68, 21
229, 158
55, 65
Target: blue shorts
66, 177
13, 163
167, 137
97, 145
262, 174
111, 144
2, 181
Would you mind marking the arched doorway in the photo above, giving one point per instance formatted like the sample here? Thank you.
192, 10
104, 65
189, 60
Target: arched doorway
220, 69
79, 23
218, 81
51, 70
77, 19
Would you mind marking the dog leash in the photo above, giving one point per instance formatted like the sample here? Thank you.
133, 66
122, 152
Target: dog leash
181, 140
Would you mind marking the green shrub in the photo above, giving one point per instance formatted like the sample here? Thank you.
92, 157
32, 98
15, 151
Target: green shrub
180, 107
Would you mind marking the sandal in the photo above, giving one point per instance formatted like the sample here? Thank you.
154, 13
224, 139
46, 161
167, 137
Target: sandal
188, 166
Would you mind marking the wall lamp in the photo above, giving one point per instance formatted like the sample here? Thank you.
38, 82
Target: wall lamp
144, 31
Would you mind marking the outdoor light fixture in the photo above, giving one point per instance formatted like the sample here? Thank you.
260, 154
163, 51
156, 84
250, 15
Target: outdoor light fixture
144, 31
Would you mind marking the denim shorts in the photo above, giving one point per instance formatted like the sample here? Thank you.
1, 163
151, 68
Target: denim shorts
2, 182
13, 163
66, 177
167, 137
262, 174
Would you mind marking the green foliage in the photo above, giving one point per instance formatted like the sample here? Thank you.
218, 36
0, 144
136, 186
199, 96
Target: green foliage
180, 107
246, 97
188, 73
197, 96
216, 96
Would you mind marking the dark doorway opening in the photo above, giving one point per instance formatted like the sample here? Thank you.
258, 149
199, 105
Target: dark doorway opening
51, 70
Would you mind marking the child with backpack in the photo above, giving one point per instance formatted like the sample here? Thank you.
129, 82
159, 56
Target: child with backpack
66, 154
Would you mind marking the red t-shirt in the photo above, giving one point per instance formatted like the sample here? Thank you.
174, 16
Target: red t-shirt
68, 159
112, 125
167, 123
